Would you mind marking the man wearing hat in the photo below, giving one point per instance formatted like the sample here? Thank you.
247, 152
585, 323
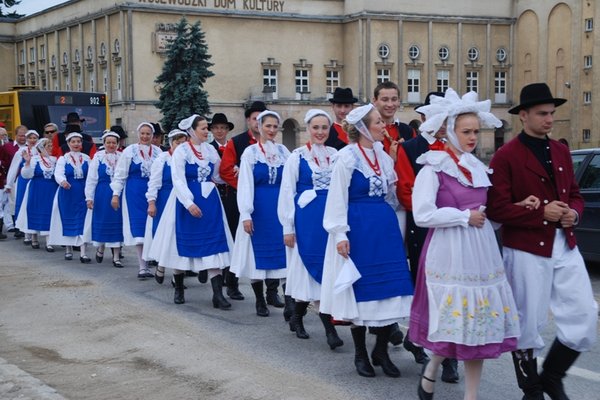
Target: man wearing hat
341, 103
157, 136
543, 264
73, 124
220, 127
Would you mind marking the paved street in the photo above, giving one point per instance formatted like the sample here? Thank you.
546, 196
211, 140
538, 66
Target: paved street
75, 331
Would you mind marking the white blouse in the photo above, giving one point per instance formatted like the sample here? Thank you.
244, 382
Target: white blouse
59, 171
156, 173
28, 172
129, 155
92, 177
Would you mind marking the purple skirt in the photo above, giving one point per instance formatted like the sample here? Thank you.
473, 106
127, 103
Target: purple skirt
419, 325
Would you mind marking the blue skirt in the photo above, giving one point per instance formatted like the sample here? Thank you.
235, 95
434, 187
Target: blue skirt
267, 239
39, 203
107, 224
137, 205
72, 207
311, 237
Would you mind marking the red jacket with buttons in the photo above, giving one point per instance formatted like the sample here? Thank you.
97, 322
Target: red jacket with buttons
518, 174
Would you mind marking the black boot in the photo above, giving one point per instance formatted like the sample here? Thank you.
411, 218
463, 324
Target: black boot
527, 374
361, 357
450, 370
203, 276
396, 335
418, 353
178, 298
297, 321
2, 235
558, 361
231, 281
261, 304
333, 340
218, 300
288, 310
273, 298
380, 355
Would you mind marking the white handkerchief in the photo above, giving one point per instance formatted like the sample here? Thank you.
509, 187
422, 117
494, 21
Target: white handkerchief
207, 187
306, 197
348, 275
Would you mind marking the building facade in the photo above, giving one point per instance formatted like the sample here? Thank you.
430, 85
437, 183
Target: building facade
293, 53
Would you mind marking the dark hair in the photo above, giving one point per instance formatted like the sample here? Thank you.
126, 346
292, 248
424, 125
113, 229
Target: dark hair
157, 129
70, 128
415, 124
385, 85
350, 129
197, 120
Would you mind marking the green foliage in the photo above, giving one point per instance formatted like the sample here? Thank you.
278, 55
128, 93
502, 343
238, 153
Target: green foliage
183, 76
9, 4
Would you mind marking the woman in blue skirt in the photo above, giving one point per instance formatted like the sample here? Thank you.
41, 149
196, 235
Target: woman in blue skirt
192, 233
159, 189
304, 187
366, 279
259, 252
36, 210
107, 222
68, 224
131, 179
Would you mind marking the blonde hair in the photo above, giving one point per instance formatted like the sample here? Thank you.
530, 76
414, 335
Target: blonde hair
353, 133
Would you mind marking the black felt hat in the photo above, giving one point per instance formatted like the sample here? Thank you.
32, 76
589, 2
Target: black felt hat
343, 96
220, 118
254, 107
535, 94
428, 99
73, 117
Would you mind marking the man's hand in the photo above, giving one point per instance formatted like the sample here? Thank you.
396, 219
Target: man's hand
555, 210
568, 219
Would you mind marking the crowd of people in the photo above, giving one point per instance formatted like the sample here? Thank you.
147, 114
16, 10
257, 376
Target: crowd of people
371, 220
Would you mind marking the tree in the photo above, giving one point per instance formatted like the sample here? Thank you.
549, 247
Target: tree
9, 4
183, 76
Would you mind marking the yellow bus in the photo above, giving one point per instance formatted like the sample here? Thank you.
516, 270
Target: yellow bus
36, 108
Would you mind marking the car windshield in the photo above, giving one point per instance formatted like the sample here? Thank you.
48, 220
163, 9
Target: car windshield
591, 176
577, 160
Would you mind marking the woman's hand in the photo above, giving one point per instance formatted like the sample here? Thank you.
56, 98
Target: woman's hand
26, 157
65, 185
289, 240
477, 218
343, 248
530, 203
114, 202
90, 204
195, 211
152, 208
248, 226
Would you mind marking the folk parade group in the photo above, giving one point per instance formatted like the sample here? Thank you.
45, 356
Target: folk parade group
372, 221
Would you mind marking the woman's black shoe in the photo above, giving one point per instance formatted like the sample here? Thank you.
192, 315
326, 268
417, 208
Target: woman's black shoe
423, 395
203, 276
68, 256
380, 356
35, 245
99, 256
117, 264
49, 249
361, 357
159, 278
85, 259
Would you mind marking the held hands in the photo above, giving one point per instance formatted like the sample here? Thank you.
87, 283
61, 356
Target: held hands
530, 203
195, 211
555, 210
151, 209
477, 218
248, 226
90, 204
289, 240
568, 219
114, 202
343, 248
65, 185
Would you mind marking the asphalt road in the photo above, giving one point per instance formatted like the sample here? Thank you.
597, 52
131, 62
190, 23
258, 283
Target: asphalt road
96, 332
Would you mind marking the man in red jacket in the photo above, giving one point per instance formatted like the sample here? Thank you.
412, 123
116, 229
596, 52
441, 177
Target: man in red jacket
543, 264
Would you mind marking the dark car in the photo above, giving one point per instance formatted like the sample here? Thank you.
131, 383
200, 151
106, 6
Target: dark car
586, 163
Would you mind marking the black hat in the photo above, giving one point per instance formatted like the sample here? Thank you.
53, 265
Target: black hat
535, 94
343, 96
220, 118
73, 117
157, 129
254, 107
428, 99
119, 131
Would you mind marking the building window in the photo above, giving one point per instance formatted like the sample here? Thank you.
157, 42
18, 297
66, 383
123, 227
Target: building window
332, 80
270, 80
587, 135
501, 55
414, 86
92, 84
79, 83
473, 54
384, 51
472, 81
587, 62
443, 80
22, 57
302, 81
383, 75
105, 80
587, 97
32, 54
119, 83
414, 52
444, 53
42, 52
589, 24
500, 87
